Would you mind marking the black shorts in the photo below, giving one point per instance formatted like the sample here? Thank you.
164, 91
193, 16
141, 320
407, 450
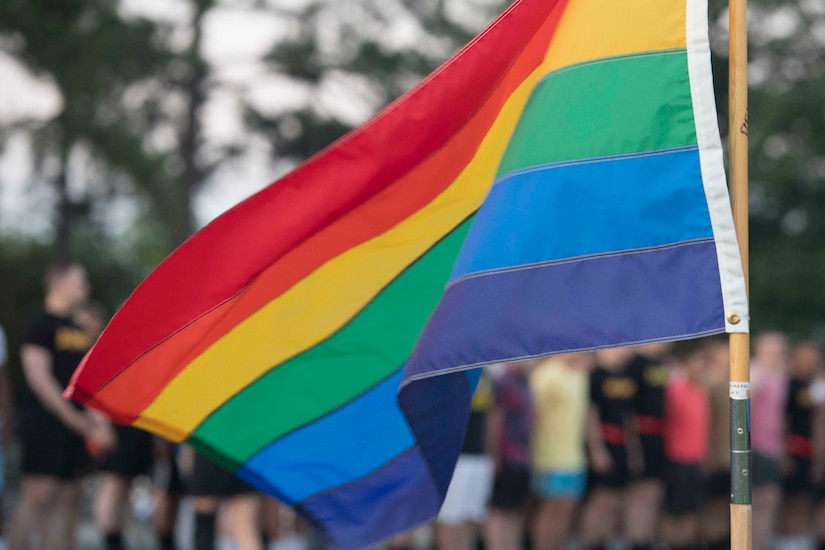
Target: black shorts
210, 480
799, 479
50, 448
618, 476
653, 454
766, 470
133, 456
818, 494
511, 488
719, 484
685, 489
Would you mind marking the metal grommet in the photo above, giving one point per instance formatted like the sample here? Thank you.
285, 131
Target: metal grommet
734, 318
740, 431
745, 472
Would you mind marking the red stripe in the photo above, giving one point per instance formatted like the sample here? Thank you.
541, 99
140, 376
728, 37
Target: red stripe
311, 200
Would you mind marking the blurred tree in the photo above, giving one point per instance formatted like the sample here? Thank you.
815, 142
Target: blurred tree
787, 159
193, 86
368, 51
186, 85
94, 57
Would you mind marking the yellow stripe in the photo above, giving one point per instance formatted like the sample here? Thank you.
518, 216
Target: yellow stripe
320, 304
592, 29
317, 306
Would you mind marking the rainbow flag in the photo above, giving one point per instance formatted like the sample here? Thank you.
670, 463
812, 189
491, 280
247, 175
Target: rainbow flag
556, 186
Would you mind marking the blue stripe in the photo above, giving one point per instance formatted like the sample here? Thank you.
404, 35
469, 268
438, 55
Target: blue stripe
577, 209
667, 293
337, 449
392, 499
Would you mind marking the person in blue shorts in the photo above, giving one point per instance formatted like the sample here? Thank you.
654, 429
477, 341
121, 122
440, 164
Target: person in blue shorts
561, 401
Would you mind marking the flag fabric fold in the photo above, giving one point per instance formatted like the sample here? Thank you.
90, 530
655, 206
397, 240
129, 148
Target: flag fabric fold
556, 186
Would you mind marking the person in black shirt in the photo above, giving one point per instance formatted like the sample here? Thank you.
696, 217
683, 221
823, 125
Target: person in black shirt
651, 371
612, 391
794, 518
54, 432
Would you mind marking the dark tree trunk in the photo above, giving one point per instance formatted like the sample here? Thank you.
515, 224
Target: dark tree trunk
194, 88
65, 210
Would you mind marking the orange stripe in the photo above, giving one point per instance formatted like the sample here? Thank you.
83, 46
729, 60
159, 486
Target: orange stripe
154, 370
233, 250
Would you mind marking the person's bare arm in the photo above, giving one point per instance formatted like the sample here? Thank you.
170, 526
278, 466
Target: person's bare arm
599, 456
37, 370
494, 428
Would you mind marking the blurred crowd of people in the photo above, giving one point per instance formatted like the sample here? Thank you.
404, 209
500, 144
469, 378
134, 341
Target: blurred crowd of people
624, 448
630, 448
62, 443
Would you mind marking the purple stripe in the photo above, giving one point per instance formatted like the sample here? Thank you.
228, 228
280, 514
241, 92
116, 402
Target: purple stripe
668, 293
394, 498
437, 410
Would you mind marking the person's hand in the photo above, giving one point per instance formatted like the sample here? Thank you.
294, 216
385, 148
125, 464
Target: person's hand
79, 422
100, 436
601, 461
635, 465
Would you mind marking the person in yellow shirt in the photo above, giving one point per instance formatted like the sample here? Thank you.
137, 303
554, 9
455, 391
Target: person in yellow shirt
560, 387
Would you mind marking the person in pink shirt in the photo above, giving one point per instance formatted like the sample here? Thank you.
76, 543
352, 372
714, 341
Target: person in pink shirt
687, 437
769, 393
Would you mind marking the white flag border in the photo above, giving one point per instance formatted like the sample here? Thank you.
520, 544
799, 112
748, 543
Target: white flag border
711, 157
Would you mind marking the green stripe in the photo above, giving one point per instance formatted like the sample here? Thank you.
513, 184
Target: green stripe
374, 344
608, 107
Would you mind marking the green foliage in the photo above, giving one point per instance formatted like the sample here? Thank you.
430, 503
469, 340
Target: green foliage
94, 57
352, 40
787, 160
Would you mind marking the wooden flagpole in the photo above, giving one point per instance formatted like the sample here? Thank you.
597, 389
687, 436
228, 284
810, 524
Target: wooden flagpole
740, 509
